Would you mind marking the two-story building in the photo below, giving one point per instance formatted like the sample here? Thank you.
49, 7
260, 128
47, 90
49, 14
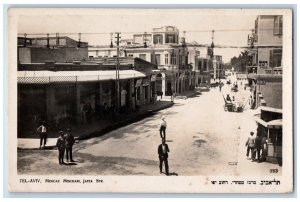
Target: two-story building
265, 79
163, 48
266, 44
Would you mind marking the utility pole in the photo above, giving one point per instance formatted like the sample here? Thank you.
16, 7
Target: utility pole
118, 71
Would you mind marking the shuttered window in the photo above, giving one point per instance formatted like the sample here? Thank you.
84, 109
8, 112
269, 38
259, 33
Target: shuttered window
278, 25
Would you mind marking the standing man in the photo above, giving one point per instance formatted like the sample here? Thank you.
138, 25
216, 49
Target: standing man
42, 130
163, 127
250, 145
257, 147
264, 145
61, 145
163, 150
70, 140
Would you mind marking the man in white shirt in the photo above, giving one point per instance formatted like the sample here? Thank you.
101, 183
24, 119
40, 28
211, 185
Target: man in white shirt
163, 127
42, 131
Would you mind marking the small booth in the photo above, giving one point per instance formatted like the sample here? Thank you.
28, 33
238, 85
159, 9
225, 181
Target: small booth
269, 126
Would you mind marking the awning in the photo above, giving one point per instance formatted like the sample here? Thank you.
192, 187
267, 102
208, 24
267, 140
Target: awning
271, 109
45, 77
139, 83
274, 124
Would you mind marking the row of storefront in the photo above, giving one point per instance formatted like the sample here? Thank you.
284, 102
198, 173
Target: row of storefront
266, 99
57, 96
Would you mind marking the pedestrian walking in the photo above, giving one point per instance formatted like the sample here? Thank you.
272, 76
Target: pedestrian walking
61, 146
257, 148
42, 130
163, 150
69, 141
163, 127
250, 145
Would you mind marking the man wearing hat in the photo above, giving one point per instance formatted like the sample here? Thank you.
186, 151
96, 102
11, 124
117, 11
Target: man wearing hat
61, 145
163, 150
250, 145
163, 127
70, 140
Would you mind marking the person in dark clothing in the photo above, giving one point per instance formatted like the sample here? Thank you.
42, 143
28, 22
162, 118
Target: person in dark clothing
69, 140
61, 145
264, 145
87, 111
257, 148
228, 98
163, 150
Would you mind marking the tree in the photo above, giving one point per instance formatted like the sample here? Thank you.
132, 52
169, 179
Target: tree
239, 63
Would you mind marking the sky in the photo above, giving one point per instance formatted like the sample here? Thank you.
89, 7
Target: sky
231, 27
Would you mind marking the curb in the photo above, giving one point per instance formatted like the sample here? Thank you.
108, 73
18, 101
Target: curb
123, 123
110, 128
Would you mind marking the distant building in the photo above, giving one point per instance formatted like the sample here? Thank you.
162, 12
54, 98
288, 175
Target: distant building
218, 71
58, 49
162, 48
205, 66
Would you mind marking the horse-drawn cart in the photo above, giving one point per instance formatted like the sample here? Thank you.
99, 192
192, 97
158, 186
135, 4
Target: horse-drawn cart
232, 107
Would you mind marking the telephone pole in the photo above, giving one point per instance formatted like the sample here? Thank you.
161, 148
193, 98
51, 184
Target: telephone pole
118, 71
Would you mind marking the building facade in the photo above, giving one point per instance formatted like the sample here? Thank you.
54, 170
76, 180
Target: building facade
58, 49
266, 43
57, 92
163, 49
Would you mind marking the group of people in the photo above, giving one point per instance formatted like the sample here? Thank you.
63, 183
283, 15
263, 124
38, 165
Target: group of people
256, 147
163, 148
65, 143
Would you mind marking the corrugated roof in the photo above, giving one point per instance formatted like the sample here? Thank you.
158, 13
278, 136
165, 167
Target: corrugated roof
42, 77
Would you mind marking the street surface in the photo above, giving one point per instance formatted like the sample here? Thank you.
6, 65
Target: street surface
202, 137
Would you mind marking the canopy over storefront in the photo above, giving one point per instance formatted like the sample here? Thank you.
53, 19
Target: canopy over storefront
46, 77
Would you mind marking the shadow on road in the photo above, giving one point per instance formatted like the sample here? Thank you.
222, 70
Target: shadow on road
170, 174
70, 164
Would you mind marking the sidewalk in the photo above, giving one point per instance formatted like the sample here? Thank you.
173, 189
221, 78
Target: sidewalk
97, 127
184, 95
248, 167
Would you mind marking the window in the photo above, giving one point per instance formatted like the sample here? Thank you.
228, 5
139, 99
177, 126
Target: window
166, 59
256, 26
170, 38
278, 25
173, 59
275, 58
157, 39
157, 57
142, 56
